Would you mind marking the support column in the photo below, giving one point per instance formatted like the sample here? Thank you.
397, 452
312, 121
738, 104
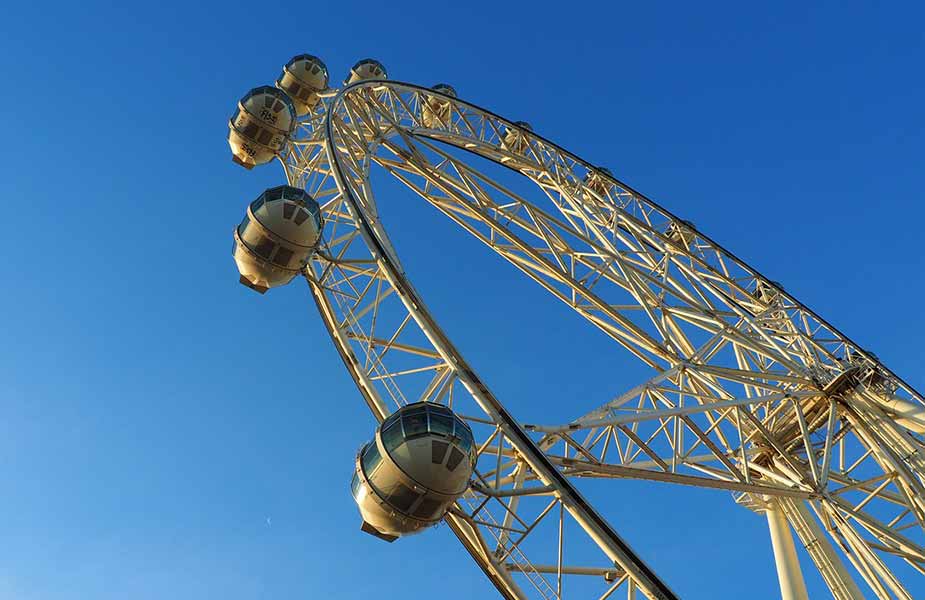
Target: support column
789, 574
820, 549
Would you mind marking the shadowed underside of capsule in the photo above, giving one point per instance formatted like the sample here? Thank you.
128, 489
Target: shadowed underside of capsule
257, 288
367, 528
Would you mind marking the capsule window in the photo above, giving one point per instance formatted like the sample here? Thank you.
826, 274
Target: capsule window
265, 136
294, 88
268, 101
428, 508
355, 485
371, 459
455, 458
395, 416
274, 194
288, 210
402, 497
283, 256
415, 423
264, 247
438, 452
441, 424
278, 106
250, 130
463, 435
301, 216
392, 436
243, 225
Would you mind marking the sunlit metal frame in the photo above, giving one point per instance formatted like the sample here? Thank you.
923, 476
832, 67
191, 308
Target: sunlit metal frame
753, 393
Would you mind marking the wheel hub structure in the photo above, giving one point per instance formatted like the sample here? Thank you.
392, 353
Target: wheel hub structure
751, 392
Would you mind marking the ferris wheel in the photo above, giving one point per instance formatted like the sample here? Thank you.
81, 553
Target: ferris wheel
751, 392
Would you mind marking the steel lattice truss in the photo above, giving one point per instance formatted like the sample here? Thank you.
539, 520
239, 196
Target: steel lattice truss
752, 392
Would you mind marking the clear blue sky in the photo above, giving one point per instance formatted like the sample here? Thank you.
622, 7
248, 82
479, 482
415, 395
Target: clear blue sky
167, 433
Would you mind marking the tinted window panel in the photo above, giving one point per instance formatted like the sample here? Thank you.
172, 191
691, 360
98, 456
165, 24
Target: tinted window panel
438, 452
355, 485
274, 194
283, 256
391, 419
392, 436
301, 216
264, 247
464, 435
402, 497
415, 423
427, 509
441, 424
455, 458
289, 210
371, 458
265, 136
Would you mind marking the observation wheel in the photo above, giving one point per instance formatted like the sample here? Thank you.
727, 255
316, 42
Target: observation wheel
751, 392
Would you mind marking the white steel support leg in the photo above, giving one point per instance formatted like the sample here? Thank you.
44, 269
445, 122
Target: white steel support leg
792, 586
820, 549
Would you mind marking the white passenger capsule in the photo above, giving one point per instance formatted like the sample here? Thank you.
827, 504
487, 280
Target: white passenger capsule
437, 111
514, 140
367, 68
416, 466
302, 78
261, 126
276, 238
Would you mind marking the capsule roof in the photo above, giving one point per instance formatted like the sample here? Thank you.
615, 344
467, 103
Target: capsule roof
291, 194
369, 61
444, 414
373, 68
286, 192
314, 61
270, 91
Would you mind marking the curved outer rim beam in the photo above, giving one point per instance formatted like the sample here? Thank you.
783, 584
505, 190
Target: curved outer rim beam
461, 529
616, 548
472, 148
472, 383
714, 245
